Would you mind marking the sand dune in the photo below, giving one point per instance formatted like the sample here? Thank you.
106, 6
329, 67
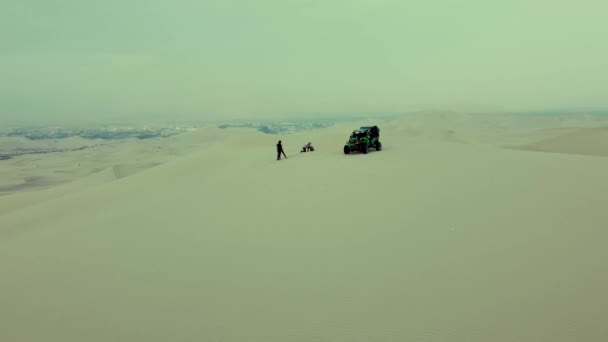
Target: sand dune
431, 239
584, 141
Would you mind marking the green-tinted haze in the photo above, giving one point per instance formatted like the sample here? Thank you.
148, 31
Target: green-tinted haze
67, 59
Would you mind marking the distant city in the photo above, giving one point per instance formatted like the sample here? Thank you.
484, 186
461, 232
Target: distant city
302, 124
279, 127
96, 132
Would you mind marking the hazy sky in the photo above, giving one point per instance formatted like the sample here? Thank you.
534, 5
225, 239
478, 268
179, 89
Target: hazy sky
201, 58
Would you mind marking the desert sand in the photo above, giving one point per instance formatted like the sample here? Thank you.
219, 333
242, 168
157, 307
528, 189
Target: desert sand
463, 228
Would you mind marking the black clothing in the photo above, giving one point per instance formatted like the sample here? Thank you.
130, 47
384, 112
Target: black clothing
279, 151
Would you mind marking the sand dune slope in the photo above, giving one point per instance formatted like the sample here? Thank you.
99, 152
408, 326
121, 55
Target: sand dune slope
584, 141
427, 240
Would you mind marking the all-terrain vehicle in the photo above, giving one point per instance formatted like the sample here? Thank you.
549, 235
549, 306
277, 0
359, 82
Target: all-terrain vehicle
363, 139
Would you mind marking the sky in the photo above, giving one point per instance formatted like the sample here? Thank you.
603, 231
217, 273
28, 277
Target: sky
75, 59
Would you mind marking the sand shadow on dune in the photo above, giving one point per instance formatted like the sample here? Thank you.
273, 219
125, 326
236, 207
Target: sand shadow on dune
29, 183
580, 141
124, 170
450, 136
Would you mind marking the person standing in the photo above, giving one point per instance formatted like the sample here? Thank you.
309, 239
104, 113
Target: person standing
280, 151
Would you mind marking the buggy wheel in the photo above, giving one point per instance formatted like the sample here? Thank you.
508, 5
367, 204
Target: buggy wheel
346, 149
364, 148
378, 146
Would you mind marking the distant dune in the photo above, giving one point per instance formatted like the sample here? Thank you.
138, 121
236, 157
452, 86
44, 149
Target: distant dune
444, 235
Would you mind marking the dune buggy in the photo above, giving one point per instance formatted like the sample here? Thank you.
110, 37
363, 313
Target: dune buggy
363, 139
